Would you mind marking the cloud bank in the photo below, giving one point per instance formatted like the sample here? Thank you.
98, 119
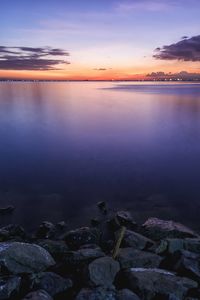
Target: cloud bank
30, 58
188, 49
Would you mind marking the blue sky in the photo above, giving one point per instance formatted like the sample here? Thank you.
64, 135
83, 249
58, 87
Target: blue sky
119, 36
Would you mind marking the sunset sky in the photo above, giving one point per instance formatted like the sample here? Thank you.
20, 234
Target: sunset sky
98, 39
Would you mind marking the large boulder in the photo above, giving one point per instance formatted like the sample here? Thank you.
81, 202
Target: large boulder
135, 240
102, 271
152, 284
82, 236
131, 258
52, 283
157, 229
9, 286
20, 258
38, 295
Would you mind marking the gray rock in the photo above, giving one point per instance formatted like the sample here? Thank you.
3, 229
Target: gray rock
96, 294
170, 245
157, 229
58, 249
102, 271
126, 294
151, 283
187, 264
52, 283
9, 286
24, 258
136, 240
82, 236
38, 295
131, 258
83, 256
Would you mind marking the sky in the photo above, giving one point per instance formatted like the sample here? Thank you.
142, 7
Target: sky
99, 39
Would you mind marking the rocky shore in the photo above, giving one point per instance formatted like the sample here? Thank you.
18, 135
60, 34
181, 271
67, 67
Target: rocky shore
112, 259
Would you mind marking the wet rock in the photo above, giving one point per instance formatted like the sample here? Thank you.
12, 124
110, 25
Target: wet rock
52, 283
82, 236
126, 294
131, 258
24, 258
38, 295
46, 230
9, 286
97, 294
102, 271
157, 229
58, 249
157, 284
135, 240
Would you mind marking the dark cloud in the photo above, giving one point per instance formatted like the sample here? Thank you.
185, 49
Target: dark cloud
188, 49
29, 58
100, 69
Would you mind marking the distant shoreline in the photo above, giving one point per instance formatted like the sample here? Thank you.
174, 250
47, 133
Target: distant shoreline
122, 80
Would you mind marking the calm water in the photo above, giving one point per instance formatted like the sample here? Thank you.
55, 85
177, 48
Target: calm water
66, 146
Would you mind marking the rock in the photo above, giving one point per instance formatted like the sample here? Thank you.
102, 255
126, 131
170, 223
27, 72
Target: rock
52, 283
85, 235
157, 284
170, 246
136, 240
9, 286
185, 263
46, 230
6, 210
20, 258
188, 266
102, 271
83, 256
38, 295
125, 218
126, 294
102, 207
96, 294
122, 218
131, 258
58, 249
12, 232
157, 229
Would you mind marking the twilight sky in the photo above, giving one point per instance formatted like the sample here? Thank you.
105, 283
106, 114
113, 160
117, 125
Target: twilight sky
98, 39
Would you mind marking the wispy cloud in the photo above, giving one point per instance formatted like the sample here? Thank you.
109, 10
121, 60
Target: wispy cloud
31, 58
188, 49
144, 5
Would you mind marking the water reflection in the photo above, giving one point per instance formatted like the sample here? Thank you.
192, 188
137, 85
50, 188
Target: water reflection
65, 146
